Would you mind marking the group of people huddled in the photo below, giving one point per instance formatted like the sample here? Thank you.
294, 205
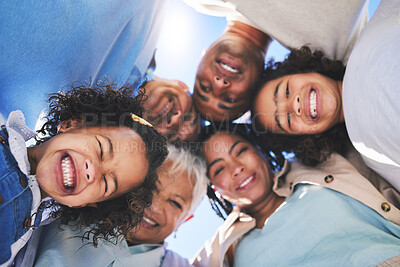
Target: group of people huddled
121, 158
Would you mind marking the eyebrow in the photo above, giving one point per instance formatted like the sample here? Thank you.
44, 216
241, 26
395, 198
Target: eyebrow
276, 109
219, 159
235, 144
110, 145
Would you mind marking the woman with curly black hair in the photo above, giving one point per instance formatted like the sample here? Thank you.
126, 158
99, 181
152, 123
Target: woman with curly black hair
96, 163
300, 99
305, 94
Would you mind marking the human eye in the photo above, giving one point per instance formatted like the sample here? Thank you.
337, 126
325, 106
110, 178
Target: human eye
204, 88
101, 148
242, 150
105, 184
288, 119
230, 100
175, 203
287, 90
218, 171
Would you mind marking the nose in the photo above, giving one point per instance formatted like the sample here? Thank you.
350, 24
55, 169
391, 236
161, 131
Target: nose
156, 205
296, 105
90, 171
237, 170
174, 119
220, 84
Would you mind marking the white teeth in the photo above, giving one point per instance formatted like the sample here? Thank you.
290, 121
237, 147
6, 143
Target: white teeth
229, 68
67, 172
149, 221
165, 108
245, 182
313, 104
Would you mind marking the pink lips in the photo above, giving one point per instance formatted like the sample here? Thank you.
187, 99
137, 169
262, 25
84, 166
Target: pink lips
246, 183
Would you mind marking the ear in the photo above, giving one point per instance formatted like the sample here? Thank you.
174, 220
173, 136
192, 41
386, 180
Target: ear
187, 219
69, 124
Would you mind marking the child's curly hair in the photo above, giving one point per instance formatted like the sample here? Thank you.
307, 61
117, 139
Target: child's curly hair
107, 105
310, 149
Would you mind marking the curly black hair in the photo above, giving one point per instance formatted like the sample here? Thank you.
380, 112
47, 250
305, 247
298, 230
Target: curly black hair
106, 104
275, 159
310, 149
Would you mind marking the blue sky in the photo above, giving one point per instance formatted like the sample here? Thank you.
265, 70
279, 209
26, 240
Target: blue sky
185, 35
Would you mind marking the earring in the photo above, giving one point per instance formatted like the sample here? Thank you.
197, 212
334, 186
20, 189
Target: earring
58, 127
175, 234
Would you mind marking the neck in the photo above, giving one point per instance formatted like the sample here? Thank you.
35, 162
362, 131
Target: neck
257, 37
32, 159
264, 209
33, 156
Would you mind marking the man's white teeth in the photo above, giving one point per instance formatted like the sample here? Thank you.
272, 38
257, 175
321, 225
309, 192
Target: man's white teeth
166, 108
229, 68
67, 172
313, 104
149, 221
245, 182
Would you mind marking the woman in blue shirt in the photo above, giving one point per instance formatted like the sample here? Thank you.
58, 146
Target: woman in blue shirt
302, 216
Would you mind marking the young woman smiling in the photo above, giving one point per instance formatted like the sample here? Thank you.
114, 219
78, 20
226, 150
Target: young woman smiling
330, 214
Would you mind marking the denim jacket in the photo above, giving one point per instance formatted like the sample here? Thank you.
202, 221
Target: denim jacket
19, 196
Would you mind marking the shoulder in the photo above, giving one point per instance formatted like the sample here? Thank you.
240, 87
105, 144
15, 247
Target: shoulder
172, 258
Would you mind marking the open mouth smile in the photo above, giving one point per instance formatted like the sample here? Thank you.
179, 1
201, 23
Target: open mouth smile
313, 104
246, 183
228, 67
148, 222
68, 173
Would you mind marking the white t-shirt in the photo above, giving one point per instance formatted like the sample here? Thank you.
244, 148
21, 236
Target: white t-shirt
371, 92
331, 27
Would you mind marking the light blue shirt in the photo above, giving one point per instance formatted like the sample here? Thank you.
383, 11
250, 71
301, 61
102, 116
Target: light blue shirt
317, 226
67, 248
48, 45
64, 248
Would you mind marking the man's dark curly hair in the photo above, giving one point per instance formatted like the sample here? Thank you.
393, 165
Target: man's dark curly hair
276, 160
107, 105
310, 149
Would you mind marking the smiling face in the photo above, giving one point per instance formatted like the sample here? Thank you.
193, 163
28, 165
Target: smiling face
171, 110
88, 165
225, 77
237, 170
306, 103
169, 209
